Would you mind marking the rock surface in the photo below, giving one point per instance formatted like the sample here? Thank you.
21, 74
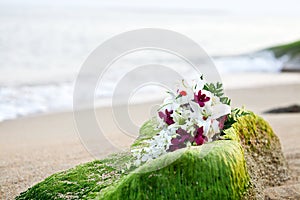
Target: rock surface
289, 109
213, 171
264, 157
283, 192
290, 53
249, 149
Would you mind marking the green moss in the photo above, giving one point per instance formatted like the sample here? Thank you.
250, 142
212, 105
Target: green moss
253, 132
265, 161
217, 170
82, 182
219, 174
291, 49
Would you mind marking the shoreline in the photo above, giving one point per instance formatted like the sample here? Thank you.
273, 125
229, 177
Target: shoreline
235, 81
32, 148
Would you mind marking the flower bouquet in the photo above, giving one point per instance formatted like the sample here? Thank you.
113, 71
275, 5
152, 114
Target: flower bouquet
192, 115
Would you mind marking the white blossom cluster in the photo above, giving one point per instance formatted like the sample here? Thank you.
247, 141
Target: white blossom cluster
157, 147
191, 113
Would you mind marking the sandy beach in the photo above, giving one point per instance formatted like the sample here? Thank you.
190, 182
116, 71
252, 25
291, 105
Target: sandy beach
33, 148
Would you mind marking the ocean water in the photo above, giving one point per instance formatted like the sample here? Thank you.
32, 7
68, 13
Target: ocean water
43, 44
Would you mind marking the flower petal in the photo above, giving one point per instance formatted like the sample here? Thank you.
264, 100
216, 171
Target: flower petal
220, 110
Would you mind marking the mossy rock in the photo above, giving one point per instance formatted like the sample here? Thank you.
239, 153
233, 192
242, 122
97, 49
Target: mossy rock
236, 167
263, 153
213, 171
291, 49
82, 182
289, 54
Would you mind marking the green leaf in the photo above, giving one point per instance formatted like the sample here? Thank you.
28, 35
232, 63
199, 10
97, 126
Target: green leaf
217, 90
234, 115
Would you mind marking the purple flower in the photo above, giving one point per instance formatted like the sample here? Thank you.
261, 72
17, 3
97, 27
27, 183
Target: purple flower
222, 121
200, 138
181, 139
166, 116
201, 98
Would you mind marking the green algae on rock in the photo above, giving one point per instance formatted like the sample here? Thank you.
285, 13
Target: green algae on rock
82, 182
291, 49
291, 56
241, 165
264, 157
220, 174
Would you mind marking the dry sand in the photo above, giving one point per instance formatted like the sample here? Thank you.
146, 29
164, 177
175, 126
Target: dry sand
33, 148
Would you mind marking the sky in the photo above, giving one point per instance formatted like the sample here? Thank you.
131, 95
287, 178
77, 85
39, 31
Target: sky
253, 7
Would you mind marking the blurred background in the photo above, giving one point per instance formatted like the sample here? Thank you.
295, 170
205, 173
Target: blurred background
44, 43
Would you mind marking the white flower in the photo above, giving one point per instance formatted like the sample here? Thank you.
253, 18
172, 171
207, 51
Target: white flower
215, 100
212, 129
160, 123
207, 116
157, 146
187, 114
199, 85
197, 113
219, 110
170, 103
